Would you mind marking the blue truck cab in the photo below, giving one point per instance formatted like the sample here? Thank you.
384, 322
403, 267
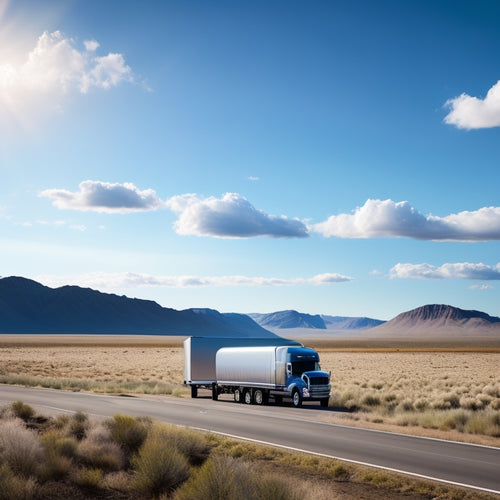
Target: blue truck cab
304, 378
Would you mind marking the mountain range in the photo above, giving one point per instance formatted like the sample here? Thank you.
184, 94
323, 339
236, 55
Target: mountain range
29, 307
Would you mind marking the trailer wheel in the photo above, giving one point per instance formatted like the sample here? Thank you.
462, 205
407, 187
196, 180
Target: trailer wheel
194, 391
258, 397
215, 392
247, 397
237, 396
297, 398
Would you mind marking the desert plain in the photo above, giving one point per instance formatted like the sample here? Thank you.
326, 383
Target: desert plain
450, 393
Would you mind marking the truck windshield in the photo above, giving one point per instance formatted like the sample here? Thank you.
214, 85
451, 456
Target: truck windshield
299, 367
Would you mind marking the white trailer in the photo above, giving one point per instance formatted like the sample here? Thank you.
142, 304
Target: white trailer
200, 352
254, 374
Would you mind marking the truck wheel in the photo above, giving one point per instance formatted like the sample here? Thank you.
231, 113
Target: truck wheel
237, 395
247, 397
194, 391
324, 402
258, 397
296, 398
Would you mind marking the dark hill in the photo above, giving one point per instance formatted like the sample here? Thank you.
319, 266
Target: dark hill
29, 307
440, 320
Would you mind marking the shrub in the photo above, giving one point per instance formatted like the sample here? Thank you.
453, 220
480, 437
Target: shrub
220, 477
99, 450
88, 478
128, 432
61, 421
55, 442
340, 472
470, 403
191, 444
272, 487
14, 487
78, 425
421, 404
20, 448
406, 405
159, 466
22, 411
371, 400
447, 402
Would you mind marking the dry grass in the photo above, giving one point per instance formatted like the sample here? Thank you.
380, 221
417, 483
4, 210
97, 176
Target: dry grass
435, 391
163, 467
452, 393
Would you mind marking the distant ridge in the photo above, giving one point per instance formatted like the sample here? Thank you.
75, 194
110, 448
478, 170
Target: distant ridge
29, 307
291, 319
350, 323
440, 320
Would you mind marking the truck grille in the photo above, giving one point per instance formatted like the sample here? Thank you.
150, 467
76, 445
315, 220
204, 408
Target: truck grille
318, 381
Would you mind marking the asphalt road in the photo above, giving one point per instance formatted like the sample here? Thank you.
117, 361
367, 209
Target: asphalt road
457, 463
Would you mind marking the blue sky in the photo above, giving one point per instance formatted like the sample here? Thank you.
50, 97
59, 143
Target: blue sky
330, 157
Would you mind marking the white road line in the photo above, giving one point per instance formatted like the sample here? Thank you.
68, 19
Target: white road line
421, 476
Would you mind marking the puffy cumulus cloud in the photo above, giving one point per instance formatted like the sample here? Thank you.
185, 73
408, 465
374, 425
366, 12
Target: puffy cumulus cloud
471, 113
54, 67
111, 281
105, 197
231, 216
389, 219
459, 270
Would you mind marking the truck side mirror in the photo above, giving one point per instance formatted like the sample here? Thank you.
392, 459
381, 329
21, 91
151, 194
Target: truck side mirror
289, 368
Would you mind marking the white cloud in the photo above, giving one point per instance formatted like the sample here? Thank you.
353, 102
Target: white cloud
481, 287
472, 113
54, 68
253, 178
105, 197
231, 216
386, 219
91, 45
131, 280
462, 270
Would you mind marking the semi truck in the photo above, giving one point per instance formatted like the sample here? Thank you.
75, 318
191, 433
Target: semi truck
255, 371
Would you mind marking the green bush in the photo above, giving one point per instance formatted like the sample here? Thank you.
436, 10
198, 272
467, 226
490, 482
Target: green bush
22, 411
128, 432
159, 467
